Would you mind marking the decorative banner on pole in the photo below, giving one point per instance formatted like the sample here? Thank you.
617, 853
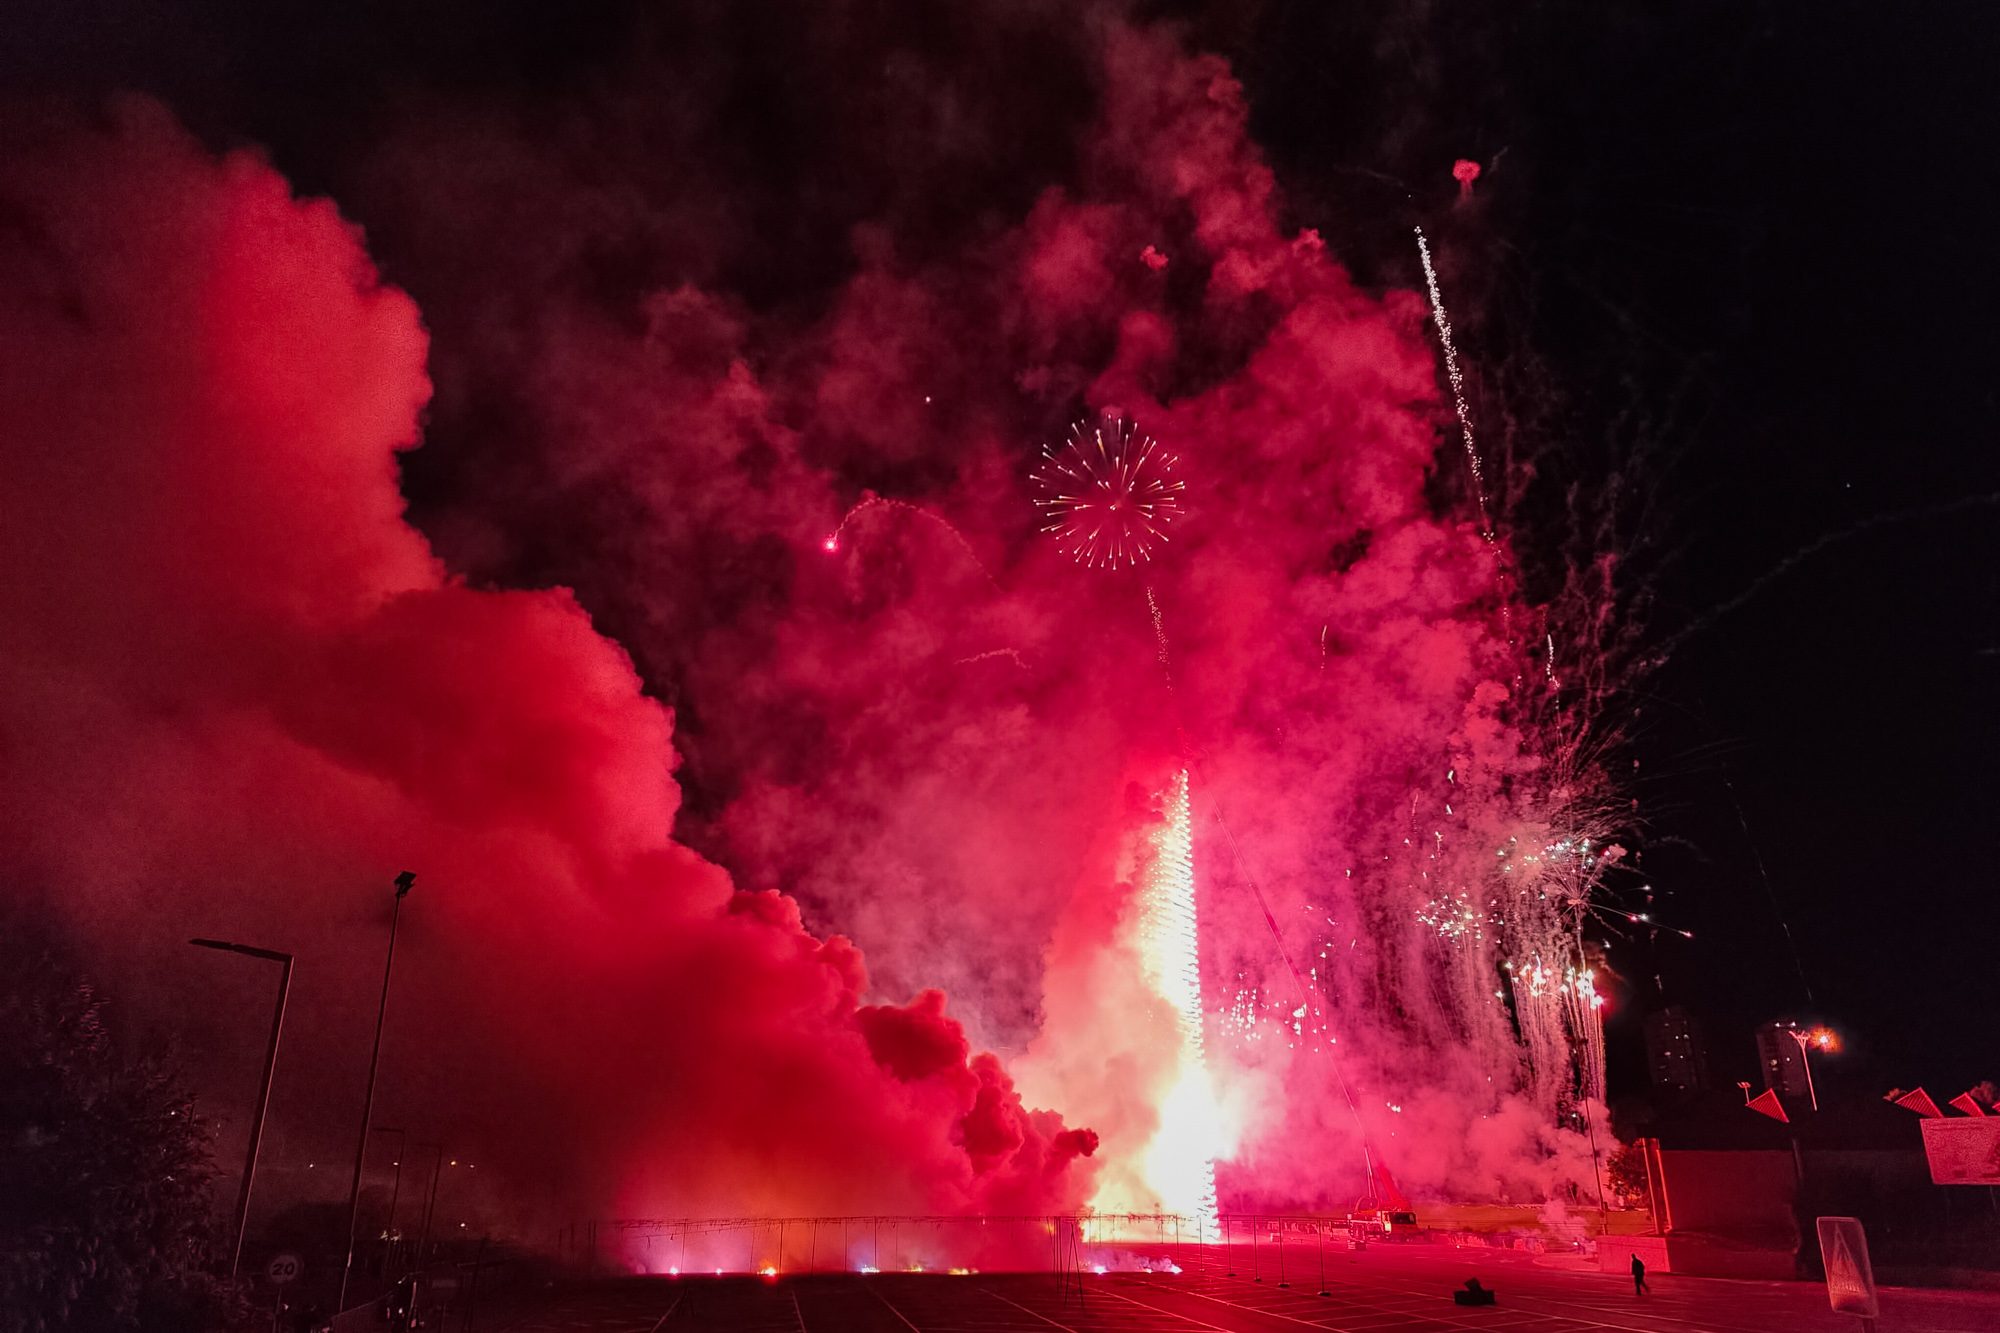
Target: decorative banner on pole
1850, 1282
1963, 1152
1767, 1103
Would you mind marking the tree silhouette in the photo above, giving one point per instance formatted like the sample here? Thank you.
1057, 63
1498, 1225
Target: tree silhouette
106, 1217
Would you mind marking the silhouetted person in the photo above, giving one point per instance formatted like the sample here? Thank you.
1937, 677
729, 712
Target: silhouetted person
1639, 1287
1473, 1294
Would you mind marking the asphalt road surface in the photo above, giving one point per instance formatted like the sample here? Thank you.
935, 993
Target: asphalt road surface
1366, 1292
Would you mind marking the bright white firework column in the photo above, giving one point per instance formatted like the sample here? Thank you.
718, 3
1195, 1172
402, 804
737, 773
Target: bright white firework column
1180, 1164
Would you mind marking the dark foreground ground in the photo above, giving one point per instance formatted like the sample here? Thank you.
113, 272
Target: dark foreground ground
1377, 1290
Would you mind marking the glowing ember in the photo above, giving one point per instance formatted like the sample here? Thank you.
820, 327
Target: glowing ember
1109, 494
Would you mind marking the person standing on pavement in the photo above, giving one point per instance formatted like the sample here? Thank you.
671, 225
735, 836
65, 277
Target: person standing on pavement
1639, 1287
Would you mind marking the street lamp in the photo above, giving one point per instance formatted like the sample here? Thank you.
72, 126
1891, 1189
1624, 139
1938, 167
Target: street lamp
264, 1094
404, 882
1826, 1039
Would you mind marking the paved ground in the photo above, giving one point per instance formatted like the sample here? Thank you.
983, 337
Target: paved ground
1379, 1290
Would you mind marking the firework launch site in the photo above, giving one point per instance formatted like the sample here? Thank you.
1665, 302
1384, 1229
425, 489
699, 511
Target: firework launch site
1013, 665
1364, 1292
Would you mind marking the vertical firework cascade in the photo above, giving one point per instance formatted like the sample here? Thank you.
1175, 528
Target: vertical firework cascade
1523, 920
1180, 1165
1534, 918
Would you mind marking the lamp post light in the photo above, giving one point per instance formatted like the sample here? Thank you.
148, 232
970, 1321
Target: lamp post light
1826, 1039
404, 882
264, 1093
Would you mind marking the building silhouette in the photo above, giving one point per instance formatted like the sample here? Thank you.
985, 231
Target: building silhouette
1781, 1058
1674, 1051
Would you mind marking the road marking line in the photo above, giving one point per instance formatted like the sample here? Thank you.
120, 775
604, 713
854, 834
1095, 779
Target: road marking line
670, 1309
1159, 1309
1025, 1310
892, 1309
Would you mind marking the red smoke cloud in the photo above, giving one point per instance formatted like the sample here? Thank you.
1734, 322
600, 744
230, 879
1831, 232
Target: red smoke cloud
249, 694
241, 693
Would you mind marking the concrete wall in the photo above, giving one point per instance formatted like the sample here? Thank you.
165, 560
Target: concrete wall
1746, 1195
1614, 1254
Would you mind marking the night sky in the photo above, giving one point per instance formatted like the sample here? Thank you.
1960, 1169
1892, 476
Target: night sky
1730, 265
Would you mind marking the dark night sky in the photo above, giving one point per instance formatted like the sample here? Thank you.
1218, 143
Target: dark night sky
1742, 254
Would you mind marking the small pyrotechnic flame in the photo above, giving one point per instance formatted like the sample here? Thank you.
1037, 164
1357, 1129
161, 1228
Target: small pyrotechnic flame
1108, 494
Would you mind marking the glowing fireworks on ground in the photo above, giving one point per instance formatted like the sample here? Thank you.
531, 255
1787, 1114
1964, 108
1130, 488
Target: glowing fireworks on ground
1108, 495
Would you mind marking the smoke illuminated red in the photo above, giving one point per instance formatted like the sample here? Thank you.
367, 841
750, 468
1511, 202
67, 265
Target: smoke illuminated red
243, 690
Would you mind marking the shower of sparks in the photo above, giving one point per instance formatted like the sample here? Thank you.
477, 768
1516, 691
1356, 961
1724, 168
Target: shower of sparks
1108, 494
1180, 1166
1454, 917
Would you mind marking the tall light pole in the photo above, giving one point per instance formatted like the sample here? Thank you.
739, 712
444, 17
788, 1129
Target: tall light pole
1805, 1062
396, 1190
1823, 1037
264, 1093
437, 1170
403, 883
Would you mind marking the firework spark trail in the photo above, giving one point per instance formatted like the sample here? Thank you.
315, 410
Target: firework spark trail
832, 542
1452, 372
1160, 635
1012, 654
1457, 379
1108, 497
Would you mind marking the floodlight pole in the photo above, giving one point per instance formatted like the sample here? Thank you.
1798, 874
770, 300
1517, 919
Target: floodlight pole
403, 883
1805, 1060
264, 1093
430, 1207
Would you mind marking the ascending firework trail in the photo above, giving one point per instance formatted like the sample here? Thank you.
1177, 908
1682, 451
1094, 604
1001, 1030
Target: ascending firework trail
1107, 496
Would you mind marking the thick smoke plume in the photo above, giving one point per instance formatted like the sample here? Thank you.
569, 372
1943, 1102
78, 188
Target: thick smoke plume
247, 692
241, 693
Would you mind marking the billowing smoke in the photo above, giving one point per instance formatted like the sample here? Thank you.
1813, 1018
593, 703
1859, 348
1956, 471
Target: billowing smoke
241, 693
245, 692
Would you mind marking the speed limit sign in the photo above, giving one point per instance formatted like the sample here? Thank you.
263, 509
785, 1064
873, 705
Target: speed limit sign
284, 1268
